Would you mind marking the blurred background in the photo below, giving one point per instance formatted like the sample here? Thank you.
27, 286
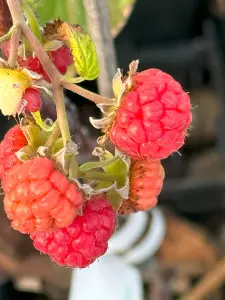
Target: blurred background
185, 38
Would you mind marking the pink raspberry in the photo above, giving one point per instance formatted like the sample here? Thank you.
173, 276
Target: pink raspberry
33, 99
84, 240
153, 118
13, 141
39, 198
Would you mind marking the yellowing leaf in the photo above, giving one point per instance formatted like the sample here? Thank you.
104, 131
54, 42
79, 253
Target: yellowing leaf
13, 83
82, 49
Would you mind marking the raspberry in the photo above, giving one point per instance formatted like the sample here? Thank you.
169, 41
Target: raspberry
153, 118
39, 198
60, 57
33, 100
13, 141
33, 64
84, 240
146, 181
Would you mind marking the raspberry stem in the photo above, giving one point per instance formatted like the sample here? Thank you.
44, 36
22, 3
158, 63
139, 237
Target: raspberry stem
32, 20
87, 94
8, 35
14, 46
53, 137
37, 117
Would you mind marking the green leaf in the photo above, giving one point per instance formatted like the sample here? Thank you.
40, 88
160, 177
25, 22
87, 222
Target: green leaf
72, 11
83, 51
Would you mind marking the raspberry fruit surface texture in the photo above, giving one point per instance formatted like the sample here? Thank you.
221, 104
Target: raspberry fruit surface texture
79, 244
40, 198
33, 100
146, 181
13, 141
153, 118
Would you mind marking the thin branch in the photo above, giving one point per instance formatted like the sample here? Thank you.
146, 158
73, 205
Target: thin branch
87, 94
61, 114
14, 47
18, 20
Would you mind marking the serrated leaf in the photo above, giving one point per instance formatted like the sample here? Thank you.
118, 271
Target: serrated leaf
72, 11
82, 49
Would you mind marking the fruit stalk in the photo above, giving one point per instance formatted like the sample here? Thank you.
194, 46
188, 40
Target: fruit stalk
32, 20
98, 99
14, 46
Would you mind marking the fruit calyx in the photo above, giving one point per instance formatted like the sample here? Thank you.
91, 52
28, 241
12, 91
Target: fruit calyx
121, 86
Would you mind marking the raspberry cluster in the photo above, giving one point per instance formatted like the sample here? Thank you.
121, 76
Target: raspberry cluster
46, 193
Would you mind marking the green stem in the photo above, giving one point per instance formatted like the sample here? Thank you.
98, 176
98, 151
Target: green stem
87, 94
31, 18
61, 115
40, 123
53, 137
64, 128
14, 47
8, 35
99, 176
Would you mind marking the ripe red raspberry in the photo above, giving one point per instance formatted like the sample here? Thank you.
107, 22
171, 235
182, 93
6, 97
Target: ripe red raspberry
60, 57
40, 198
146, 181
13, 141
84, 240
33, 100
153, 118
